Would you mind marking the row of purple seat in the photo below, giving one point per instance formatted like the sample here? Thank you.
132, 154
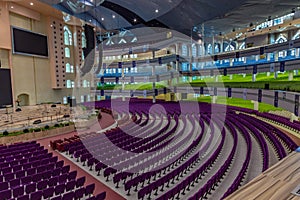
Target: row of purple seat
41, 175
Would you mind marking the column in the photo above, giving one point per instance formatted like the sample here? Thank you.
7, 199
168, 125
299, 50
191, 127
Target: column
291, 75
153, 89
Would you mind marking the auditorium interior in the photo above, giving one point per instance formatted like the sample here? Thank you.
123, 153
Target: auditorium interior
149, 99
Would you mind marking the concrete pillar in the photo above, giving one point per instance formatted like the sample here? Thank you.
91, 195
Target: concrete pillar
153, 70
153, 89
253, 77
297, 51
268, 74
291, 75
244, 75
190, 78
268, 56
231, 61
230, 77
276, 55
275, 75
214, 99
217, 78
255, 105
257, 57
296, 72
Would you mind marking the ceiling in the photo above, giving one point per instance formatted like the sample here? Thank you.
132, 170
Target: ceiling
180, 15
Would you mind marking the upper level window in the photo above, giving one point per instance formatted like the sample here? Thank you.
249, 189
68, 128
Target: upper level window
217, 49
194, 50
184, 50
67, 36
69, 68
83, 39
67, 52
209, 49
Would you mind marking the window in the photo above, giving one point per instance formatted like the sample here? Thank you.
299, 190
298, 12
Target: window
65, 100
194, 50
69, 84
217, 48
67, 36
84, 83
229, 48
184, 50
82, 55
83, 40
67, 52
88, 97
209, 49
68, 68
200, 50
82, 98
242, 46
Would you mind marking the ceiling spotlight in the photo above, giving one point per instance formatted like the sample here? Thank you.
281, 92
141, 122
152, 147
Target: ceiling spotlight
31, 3
134, 19
102, 18
11, 7
114, 16
156, 10
90, 20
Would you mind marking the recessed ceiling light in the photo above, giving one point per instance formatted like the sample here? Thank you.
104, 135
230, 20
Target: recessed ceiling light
90, 20
51, 25
114, 16
156, 10
102, 18
11, 7
134, 20
31, 3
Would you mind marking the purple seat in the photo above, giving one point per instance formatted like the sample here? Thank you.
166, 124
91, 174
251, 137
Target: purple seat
3, 186
5, 194
20, 174
59, 189
63, 178
30, 188
101, 196
48, 192
70, 185
9, 177
36, 195
56, 172
26, 180
80, 181
68, 196
42, 184
89, 189
72, 175
18, 191
59, 164
53, 181
79, 193
65, 169
14, 183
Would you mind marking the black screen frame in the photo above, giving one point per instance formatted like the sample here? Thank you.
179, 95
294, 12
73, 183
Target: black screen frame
18, 52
